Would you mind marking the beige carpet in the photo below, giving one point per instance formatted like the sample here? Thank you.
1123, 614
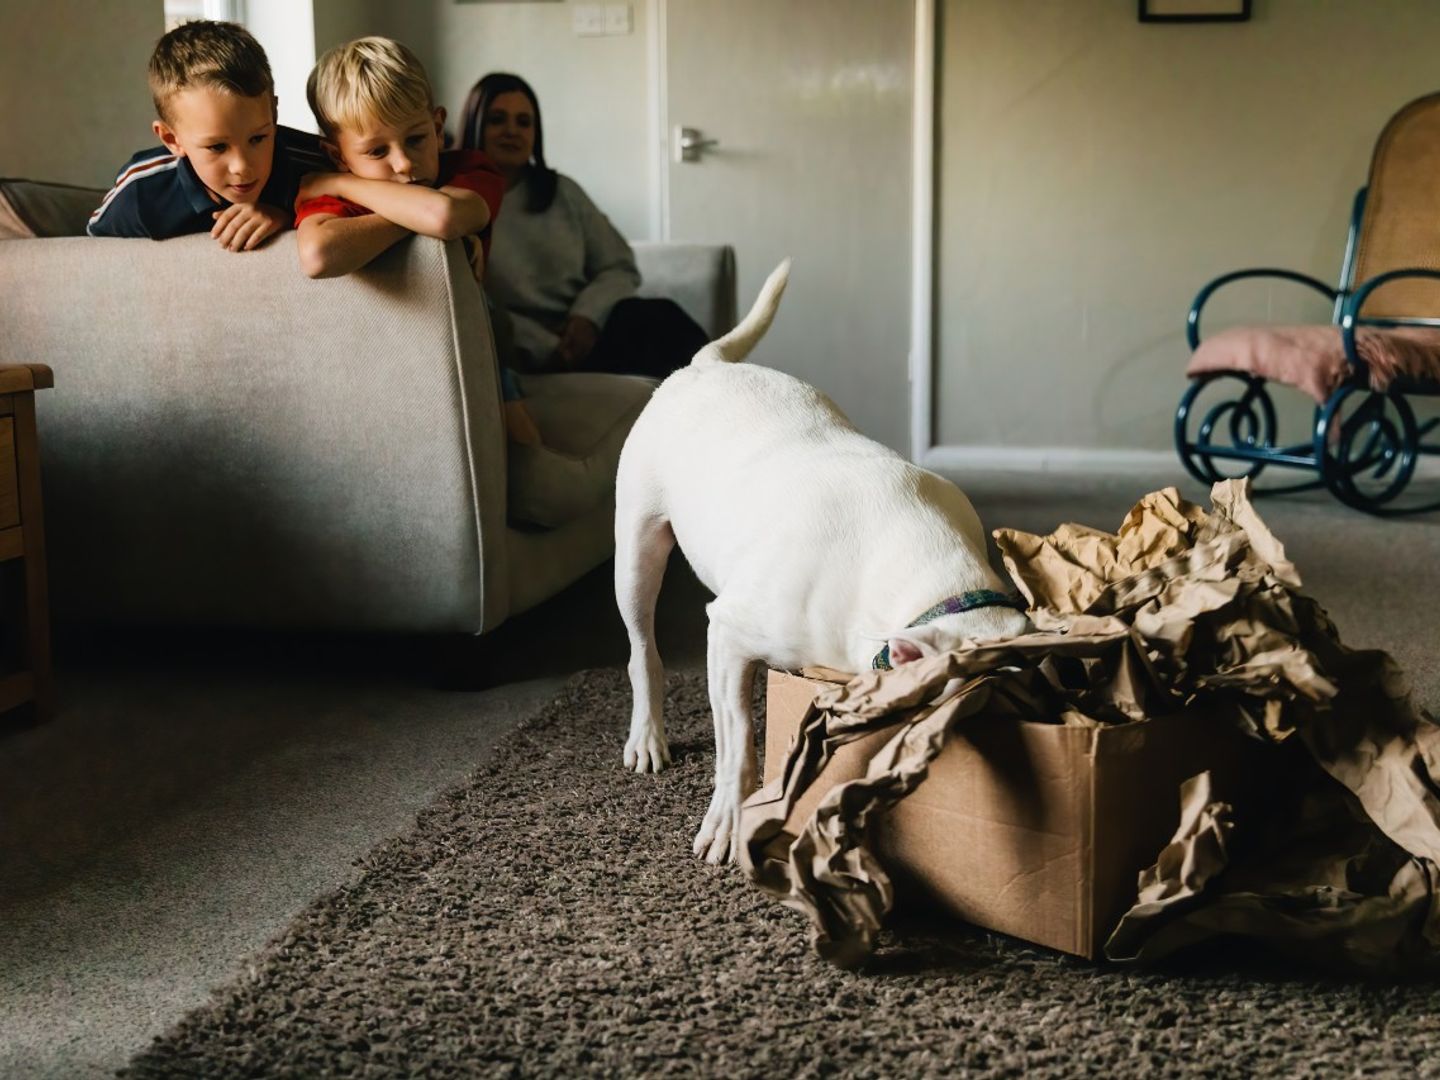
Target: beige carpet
547, 919
196, 792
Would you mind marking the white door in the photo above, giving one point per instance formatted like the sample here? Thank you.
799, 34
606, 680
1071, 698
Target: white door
809, 103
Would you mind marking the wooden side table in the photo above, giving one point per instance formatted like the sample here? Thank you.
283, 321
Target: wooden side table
25, 674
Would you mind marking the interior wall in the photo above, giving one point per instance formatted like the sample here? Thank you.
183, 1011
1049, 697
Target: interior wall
339, 21
72, 74
1094, 172
592, 90
79, 67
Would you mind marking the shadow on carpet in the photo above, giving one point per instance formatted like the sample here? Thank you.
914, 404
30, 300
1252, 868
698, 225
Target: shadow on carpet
547, 918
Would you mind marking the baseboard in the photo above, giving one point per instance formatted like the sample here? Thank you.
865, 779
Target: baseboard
1060, 459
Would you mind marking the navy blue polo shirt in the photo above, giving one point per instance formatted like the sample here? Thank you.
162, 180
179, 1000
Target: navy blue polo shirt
158, 195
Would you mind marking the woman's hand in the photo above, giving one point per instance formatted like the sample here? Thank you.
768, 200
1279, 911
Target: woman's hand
578, 338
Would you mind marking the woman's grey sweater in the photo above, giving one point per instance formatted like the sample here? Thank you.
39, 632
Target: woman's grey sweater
567, 260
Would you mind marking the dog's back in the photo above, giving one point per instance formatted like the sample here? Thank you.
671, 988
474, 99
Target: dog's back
740, 457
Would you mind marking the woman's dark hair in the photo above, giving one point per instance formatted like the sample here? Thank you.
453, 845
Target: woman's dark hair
542, 178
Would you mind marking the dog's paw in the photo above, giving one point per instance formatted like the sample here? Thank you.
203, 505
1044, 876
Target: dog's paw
647, 751
718, 840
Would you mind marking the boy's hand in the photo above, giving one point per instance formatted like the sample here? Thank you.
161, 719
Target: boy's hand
245, 226
577, 341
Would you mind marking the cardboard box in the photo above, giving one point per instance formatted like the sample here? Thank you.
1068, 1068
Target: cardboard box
1034, 830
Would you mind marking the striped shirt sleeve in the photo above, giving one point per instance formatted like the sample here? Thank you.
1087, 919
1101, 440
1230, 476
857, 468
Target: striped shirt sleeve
119, 213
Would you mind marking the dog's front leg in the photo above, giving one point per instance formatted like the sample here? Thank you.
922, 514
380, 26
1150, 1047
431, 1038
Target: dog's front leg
642, 546
731, 671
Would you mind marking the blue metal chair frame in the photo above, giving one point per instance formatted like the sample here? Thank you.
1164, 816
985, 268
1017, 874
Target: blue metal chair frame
1379, 442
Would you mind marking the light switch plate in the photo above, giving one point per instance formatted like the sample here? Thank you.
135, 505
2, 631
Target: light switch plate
618, 19
588, 20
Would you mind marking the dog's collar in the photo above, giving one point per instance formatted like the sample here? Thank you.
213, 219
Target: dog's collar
954, 605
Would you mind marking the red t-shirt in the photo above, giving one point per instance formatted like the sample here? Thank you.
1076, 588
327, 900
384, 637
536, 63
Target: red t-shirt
468, 169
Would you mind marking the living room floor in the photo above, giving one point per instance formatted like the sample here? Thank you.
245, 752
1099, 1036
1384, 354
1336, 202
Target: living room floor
195, 791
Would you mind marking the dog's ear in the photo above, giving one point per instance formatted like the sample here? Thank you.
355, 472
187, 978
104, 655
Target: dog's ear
912, 643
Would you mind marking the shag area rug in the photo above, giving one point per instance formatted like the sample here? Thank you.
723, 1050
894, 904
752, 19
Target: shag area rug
546, 918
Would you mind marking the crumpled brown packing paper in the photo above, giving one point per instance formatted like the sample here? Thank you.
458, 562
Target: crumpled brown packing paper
1183, 609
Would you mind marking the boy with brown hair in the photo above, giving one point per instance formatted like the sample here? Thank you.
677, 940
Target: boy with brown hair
225, 166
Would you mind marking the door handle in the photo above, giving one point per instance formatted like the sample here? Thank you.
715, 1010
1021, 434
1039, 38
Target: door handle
690, 144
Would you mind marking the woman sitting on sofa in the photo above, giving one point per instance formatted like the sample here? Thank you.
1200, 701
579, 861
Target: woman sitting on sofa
558, 269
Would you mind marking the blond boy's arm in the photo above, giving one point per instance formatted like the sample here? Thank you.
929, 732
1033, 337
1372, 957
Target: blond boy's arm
331, 246
446, 213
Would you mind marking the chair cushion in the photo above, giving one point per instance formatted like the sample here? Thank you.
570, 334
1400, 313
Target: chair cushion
1312, 358
31, 208
583, 420
698, 277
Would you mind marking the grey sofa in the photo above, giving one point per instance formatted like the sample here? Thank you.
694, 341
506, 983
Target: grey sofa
230, 443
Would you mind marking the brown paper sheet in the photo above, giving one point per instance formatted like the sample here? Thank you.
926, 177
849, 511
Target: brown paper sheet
1182, 609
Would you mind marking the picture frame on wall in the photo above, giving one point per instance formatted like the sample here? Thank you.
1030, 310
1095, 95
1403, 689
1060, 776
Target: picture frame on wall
1173, 11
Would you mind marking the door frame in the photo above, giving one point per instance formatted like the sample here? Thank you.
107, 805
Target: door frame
924, 76
923, 137
657, 78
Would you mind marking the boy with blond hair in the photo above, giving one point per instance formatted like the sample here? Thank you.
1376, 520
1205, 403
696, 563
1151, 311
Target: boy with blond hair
381, 127
225, 166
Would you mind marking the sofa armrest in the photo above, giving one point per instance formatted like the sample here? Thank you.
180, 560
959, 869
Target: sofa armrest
698, 277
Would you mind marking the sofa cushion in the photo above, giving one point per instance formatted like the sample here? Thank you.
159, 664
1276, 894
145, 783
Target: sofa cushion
583, 420
1312, 358
31, 208
698, 277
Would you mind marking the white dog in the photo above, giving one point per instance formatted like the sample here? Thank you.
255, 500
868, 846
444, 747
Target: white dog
821, 546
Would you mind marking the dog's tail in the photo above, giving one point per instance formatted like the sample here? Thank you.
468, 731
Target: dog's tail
736, 345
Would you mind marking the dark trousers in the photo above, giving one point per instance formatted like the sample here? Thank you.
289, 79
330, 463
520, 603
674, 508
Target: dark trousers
645, 337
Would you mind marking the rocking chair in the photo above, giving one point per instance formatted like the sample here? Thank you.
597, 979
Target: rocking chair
1381, 348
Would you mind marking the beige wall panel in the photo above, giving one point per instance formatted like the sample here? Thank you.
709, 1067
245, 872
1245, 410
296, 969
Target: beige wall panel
338, 21
1094, 172
72, 81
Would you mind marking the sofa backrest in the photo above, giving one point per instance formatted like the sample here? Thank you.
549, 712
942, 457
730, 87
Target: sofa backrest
230, 442
31, 208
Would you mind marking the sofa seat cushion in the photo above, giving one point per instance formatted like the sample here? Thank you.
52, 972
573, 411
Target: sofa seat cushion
583, 420
1312, 358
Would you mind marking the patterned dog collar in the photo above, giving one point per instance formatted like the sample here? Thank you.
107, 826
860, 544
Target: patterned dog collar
954, 605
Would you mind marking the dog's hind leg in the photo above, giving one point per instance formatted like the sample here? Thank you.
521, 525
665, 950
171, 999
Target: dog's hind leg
642, 548
731, 671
